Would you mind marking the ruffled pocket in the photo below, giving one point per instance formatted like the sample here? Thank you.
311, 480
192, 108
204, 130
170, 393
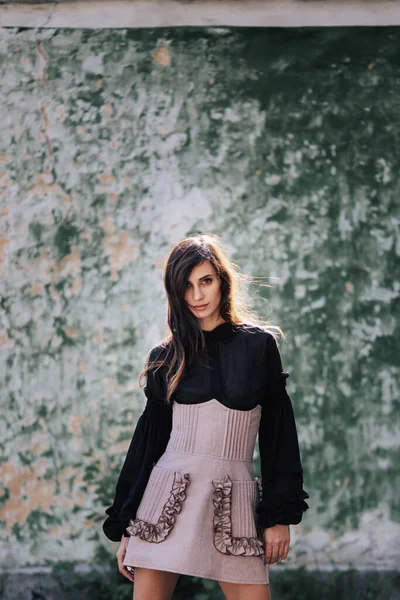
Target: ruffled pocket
160, 504
235, 521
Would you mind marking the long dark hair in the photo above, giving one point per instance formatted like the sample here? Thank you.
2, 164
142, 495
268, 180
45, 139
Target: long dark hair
186, 338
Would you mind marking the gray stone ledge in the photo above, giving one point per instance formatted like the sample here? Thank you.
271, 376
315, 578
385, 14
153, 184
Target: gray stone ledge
208, 13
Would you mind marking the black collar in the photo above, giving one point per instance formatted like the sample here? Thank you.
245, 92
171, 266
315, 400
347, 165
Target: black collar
222, 332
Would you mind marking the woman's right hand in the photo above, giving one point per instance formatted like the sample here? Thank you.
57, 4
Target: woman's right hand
120, 557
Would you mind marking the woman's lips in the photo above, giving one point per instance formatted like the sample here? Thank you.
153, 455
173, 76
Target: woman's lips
200, 307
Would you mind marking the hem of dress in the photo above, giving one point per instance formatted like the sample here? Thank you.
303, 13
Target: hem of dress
193, 574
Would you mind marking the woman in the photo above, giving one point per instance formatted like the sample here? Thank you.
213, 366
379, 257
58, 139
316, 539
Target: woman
187, 500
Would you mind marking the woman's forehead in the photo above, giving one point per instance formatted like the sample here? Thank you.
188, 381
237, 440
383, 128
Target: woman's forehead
205, 268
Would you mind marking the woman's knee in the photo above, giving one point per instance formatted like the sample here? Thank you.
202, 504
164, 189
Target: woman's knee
151, 584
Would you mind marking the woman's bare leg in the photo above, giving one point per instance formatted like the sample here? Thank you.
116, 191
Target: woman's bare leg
151, 584
244, 591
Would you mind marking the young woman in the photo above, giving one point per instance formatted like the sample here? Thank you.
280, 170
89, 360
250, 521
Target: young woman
187, 501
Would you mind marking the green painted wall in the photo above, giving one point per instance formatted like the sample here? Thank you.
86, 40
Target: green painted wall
114, 145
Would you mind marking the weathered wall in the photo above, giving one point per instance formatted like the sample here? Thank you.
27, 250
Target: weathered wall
115, 144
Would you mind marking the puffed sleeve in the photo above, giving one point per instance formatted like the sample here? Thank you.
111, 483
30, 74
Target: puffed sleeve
148, 443
283, 496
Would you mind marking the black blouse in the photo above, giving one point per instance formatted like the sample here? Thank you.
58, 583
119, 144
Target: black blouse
241, 367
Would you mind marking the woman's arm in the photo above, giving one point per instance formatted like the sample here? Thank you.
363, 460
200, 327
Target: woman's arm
149, 441
283, 497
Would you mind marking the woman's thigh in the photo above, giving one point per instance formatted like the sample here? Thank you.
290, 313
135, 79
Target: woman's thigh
245, 591
150, 583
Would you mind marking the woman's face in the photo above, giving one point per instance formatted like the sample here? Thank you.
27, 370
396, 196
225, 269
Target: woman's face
203, 294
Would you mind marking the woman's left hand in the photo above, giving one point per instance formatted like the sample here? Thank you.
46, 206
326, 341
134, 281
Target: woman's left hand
277, 541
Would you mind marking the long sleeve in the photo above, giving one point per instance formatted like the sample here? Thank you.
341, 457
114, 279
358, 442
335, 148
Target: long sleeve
283, 496
149, 441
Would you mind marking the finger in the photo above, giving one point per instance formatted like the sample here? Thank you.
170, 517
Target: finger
281, 551
271, 553
275, 553
127, 574
268, 553
286, 550
123, 570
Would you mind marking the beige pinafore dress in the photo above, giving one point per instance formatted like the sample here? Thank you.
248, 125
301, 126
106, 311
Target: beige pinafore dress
197, 514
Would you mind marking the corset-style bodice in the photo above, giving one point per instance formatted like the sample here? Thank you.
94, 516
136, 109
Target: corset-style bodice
214, 430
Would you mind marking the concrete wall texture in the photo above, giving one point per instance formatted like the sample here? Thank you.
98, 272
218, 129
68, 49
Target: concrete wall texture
117, 143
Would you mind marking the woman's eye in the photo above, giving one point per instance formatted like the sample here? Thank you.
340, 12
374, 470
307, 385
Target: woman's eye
208, 280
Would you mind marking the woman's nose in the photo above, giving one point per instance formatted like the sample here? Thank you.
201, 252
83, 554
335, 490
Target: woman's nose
197, 295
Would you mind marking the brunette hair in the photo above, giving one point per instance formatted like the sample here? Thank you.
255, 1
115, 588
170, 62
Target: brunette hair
186, 338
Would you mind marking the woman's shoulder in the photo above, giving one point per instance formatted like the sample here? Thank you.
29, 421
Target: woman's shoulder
158, 352
260, 332
260, 339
